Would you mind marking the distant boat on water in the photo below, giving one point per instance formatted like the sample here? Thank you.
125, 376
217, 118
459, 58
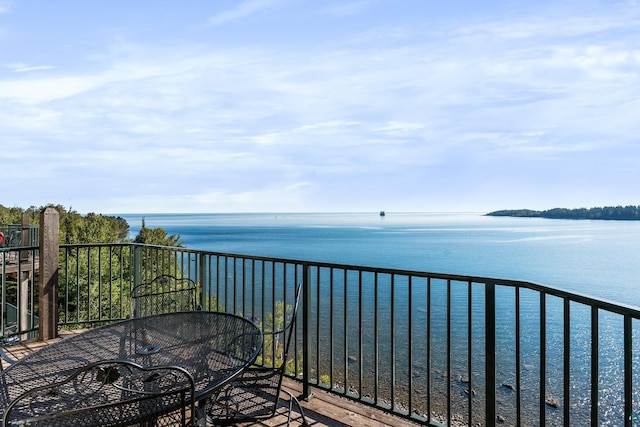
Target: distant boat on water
382, 213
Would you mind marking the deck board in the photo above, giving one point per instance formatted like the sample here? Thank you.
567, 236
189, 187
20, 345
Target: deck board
324, 409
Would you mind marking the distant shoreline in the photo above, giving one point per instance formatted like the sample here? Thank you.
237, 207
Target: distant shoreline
611, 213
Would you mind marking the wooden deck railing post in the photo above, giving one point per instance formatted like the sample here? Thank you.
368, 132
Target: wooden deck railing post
49, 257
25, 277
26, 238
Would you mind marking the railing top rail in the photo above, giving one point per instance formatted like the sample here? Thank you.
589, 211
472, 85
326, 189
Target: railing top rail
19, 248
600, 303
15, 235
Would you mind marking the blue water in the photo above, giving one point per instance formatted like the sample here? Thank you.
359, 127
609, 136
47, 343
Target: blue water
598, 258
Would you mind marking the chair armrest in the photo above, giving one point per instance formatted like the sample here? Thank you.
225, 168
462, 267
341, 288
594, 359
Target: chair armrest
109, 391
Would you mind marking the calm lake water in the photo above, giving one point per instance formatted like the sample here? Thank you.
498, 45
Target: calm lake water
598, 258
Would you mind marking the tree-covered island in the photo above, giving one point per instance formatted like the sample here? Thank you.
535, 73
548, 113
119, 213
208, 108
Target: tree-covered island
621, 213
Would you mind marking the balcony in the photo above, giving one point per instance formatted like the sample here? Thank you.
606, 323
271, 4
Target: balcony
425, 348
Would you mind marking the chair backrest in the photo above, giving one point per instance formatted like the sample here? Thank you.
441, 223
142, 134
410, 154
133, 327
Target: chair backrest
276, 344
108, 393
164, 294
254, 395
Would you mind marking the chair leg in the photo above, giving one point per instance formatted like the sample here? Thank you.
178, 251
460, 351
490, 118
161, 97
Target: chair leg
292, 400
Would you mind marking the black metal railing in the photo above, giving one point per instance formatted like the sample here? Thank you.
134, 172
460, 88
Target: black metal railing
13, 235
434, 348
19, 268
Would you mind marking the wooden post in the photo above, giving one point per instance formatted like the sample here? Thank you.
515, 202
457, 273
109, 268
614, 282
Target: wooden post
24, 234
49, 258
25, 277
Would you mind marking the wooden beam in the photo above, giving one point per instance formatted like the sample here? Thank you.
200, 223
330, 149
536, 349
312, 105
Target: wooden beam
49, 258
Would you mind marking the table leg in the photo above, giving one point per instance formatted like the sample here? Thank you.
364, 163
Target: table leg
201, 413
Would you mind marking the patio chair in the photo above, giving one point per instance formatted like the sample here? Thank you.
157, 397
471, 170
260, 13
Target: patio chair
113, 393
165, 294
255, 395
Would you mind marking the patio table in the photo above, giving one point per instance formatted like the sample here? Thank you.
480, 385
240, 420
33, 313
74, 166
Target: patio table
213, 347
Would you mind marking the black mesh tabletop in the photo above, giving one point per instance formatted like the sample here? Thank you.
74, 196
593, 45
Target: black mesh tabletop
213, 347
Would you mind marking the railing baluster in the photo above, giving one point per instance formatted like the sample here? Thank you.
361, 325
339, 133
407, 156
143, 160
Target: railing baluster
3, 282
225, 284
65, 284
253, 288
88, 284
99, 250
375, 338
234, 292
567, 363
306, 336
490, 351
217, 284
392, 347
409, 343
274, 326
204, 282
595, 337
78, 291
448, 355
296, 280
628, 370
428, 349
317, 321
470, 352
360, 335
543, 359
331, 326
345, 331
518, 360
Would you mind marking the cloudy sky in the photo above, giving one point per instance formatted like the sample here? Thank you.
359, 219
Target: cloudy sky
305, 105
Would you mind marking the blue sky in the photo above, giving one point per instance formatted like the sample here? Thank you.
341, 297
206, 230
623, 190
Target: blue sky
297, 105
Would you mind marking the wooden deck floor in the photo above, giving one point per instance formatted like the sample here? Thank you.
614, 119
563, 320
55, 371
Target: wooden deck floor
323, 409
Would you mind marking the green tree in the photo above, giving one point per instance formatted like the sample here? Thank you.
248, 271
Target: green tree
157, 236
74, 227
154, 261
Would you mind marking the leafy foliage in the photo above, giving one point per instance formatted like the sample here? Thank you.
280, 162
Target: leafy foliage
74, 227
627, 213
95, 281
157, 236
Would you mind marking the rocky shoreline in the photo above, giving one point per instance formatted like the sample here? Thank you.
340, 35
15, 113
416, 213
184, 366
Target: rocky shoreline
460, 398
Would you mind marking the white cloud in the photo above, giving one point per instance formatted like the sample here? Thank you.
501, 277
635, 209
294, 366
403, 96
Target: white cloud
34, 68
246, 124
348, 8
242, 10
394, 127
36, 91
